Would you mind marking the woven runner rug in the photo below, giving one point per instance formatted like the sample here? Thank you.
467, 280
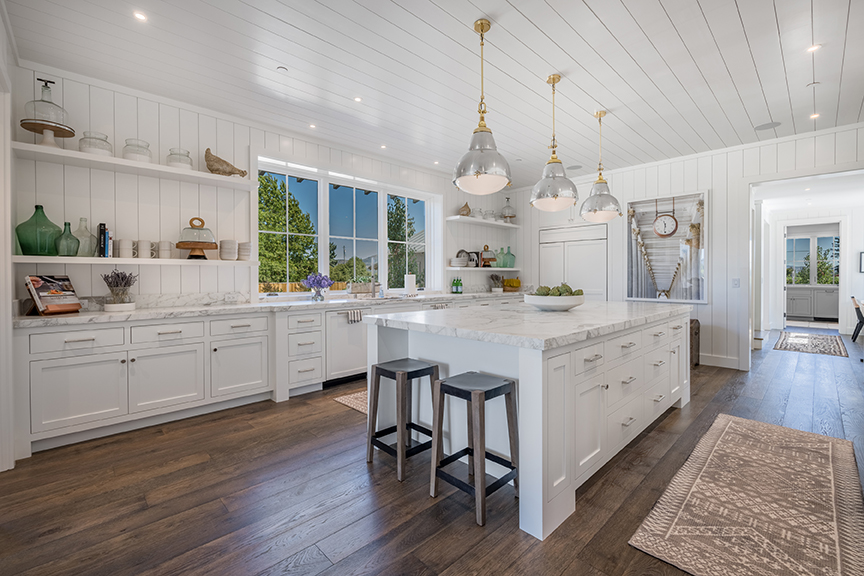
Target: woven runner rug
811, 344
358, 401
756, 498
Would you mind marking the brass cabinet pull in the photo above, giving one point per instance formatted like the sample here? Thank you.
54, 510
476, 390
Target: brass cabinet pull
677, 327
628, 345
305, 343
659, 398
169, 332
594, 358
660, 363
93, 339
659, 334
305, 321
306, 370
630, 380
629, 421
241, 326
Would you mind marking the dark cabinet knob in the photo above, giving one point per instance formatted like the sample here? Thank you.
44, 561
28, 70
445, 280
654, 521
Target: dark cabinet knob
215, 349
123, 361
132, 360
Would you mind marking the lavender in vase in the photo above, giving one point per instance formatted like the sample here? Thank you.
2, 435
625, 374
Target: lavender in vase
317, 282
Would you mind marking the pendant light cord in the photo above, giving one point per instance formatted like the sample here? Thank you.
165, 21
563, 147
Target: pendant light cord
481, 108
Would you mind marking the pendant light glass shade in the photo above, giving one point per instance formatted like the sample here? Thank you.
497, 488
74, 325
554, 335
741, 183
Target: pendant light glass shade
482, 170
554, 192
600, 206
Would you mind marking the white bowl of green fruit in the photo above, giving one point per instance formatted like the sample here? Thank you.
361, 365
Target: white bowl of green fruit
558, 299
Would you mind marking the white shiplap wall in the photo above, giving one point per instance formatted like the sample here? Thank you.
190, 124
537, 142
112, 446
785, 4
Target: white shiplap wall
153, 209
727, 176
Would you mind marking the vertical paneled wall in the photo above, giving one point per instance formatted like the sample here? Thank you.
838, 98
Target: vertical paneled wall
727, 176
157, 209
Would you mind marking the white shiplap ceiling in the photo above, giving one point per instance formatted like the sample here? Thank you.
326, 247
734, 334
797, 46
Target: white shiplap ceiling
677, 76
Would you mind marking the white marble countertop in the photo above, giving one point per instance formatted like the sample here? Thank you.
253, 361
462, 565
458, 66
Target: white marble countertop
101, 317
524, 326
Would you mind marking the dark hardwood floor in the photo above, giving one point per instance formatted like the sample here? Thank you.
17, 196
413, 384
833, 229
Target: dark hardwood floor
285, 489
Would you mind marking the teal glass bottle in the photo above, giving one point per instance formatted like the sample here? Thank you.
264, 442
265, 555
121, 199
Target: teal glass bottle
37, 235
87, 247
511, 259
67, 244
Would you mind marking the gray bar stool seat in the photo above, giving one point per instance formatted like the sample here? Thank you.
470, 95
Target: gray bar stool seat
477, 389
403, 371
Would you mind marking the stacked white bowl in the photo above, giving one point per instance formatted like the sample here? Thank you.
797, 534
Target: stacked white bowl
244, 251
228, 250
459, 262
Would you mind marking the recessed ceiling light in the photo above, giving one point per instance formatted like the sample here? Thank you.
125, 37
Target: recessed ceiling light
574, 167
436, 162
814, 116
383, 146
140, 16
806, 190
767, 126
814, 48
311, 125
358, 99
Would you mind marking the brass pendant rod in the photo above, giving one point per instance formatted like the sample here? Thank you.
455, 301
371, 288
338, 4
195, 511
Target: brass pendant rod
482, 107
600, 163
554, 141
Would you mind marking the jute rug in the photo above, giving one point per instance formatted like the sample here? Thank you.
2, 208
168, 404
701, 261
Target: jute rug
358, 401
811, 344
760, 499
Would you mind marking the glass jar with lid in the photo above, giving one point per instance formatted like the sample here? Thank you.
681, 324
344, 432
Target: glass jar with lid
179, 158
95, 143
138, 150
508, 213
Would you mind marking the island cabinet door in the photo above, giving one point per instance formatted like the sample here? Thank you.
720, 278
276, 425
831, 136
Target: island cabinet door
165, 376
72, 391
589, 427
559, 425
238, 366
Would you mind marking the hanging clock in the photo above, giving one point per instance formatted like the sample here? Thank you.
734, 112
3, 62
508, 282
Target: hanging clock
665, 225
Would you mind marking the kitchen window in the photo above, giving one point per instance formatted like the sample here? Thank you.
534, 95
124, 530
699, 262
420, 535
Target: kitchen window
348, 228
802, 252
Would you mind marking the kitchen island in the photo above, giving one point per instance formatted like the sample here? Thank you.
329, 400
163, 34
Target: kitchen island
588, 381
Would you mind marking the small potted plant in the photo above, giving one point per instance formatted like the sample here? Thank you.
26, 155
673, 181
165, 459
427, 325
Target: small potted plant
362, 285
119, 283
497, 282
317, 282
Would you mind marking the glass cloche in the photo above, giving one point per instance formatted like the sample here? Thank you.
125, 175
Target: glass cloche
45, 117
508, 213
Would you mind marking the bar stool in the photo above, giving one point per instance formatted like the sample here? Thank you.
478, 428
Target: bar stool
403, 371
477, 389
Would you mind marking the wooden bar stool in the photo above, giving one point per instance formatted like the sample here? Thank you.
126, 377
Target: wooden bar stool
477, 389
403, 371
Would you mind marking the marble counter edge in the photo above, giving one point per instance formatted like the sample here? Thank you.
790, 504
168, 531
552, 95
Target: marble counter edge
102, 317
520, 341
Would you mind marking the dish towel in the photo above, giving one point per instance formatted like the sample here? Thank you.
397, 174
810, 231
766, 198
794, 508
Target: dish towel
355, 316
442, 306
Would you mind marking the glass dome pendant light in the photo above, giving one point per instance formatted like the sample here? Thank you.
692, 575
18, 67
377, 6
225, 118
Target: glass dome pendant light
600, 206
482, 170
554, 192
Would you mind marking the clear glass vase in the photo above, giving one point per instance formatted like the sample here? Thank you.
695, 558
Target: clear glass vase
88, 241
138, 150
119, 295
317, 294
179, 158
95, 143
67, 243
37, 235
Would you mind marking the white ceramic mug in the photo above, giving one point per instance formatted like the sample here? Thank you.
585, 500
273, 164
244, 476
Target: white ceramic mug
124, 248
145, 249
165, 248
244, 251
228, 245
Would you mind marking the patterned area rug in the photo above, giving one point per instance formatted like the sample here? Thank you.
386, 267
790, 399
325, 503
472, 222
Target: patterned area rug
811, 344
757, 498
358, 401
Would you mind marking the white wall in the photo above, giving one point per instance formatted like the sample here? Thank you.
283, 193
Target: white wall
727, 175
153, 209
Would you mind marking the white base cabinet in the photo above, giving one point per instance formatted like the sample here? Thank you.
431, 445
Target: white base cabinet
69, 391
165, 376
346, 345
238, 366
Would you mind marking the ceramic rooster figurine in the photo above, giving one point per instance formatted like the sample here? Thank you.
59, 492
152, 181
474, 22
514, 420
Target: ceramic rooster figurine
217, 165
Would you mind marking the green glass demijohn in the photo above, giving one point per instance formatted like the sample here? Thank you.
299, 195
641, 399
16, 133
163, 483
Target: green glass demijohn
37, 235
67, 244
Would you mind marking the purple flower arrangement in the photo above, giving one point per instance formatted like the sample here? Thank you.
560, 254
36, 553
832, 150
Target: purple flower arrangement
317, 282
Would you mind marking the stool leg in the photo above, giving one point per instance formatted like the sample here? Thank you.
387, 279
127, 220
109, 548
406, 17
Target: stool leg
401, 389
513, 431
372, 418
478, 406
437, 434
409, 410
468, 409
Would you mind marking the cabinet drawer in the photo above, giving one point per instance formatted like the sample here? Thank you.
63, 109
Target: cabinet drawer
625, 423
655, 335
587, 358
305, 343
656, 363
238, 326
76, 340
167, 332
626, 346
308, 370
656, 399
304, 321
624, 380
676, 327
